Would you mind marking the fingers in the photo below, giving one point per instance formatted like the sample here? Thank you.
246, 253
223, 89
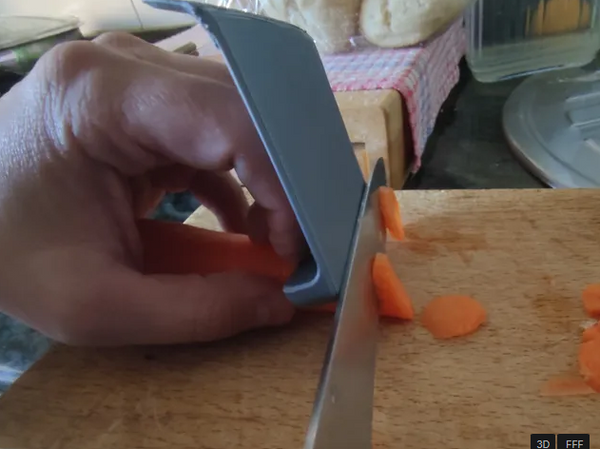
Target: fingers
144, 196
258, 226
134, 47
135, 309
246, 154
223, 195
218, 191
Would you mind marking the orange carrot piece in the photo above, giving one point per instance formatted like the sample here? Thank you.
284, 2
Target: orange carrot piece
589, 363
453, 316
175, 248
390, 212
590, 333
567, 385
393, 298
591, 300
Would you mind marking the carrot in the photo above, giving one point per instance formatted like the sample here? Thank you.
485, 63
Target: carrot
567, 385
590, 333
393, 298
175, 248
453, 316
591, 300
390, 212
589, 363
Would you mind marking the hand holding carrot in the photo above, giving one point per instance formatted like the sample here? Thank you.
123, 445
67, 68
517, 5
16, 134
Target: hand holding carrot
91, 140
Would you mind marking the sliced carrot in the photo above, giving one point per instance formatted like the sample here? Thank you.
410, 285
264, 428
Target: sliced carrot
453, 316
589, 362
591, 300
390, 212
393, 298
566, 385
175, 248
590, 333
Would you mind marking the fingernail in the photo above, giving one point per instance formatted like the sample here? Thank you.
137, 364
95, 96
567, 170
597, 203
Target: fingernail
274, 311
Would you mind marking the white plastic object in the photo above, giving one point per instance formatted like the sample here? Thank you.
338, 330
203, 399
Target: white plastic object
100, 16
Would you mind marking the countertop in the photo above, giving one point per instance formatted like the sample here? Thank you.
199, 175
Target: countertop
466, 151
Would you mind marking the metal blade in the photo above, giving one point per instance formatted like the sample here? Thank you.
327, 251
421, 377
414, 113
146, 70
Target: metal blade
343, 412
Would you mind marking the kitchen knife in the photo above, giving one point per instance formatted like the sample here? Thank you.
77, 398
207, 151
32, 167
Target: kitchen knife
279, 74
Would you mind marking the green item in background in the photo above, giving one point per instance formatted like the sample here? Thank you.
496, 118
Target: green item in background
23, 40
22, 58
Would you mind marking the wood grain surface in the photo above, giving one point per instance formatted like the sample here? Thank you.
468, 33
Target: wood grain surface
526, 255
375, 124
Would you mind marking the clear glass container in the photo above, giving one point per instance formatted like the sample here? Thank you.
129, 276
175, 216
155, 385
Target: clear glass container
511, 38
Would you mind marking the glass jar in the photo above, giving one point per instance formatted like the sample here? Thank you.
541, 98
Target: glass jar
511, 38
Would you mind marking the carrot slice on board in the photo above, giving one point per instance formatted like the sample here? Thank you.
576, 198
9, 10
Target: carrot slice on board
567, 385
591, 300
590, 333
589, 363
175, 248
393, 298
453, 316
390, 212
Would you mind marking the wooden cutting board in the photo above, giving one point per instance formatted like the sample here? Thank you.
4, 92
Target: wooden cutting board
526, 255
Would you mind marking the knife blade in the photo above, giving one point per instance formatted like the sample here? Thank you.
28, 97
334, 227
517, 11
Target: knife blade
343, 410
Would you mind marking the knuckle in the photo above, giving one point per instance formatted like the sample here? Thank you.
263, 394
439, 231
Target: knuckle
73, 78
66, 60
117, 39
62, 69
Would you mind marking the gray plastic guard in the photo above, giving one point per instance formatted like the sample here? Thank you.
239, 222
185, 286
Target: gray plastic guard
280, 76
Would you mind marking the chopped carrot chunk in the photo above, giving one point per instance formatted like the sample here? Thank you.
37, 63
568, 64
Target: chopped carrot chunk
591, 300
589, 362
591, 332
390, 212
453, 316
567, 385
393, 298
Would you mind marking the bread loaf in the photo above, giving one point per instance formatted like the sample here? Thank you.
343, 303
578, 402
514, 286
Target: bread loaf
331, 23
400, 23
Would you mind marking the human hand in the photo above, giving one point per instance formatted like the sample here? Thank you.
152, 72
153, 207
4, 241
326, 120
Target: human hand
90, 140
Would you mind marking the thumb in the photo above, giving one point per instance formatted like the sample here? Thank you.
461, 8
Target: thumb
169, 309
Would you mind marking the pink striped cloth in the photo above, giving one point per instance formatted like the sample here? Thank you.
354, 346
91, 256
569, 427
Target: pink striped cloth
424, 76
